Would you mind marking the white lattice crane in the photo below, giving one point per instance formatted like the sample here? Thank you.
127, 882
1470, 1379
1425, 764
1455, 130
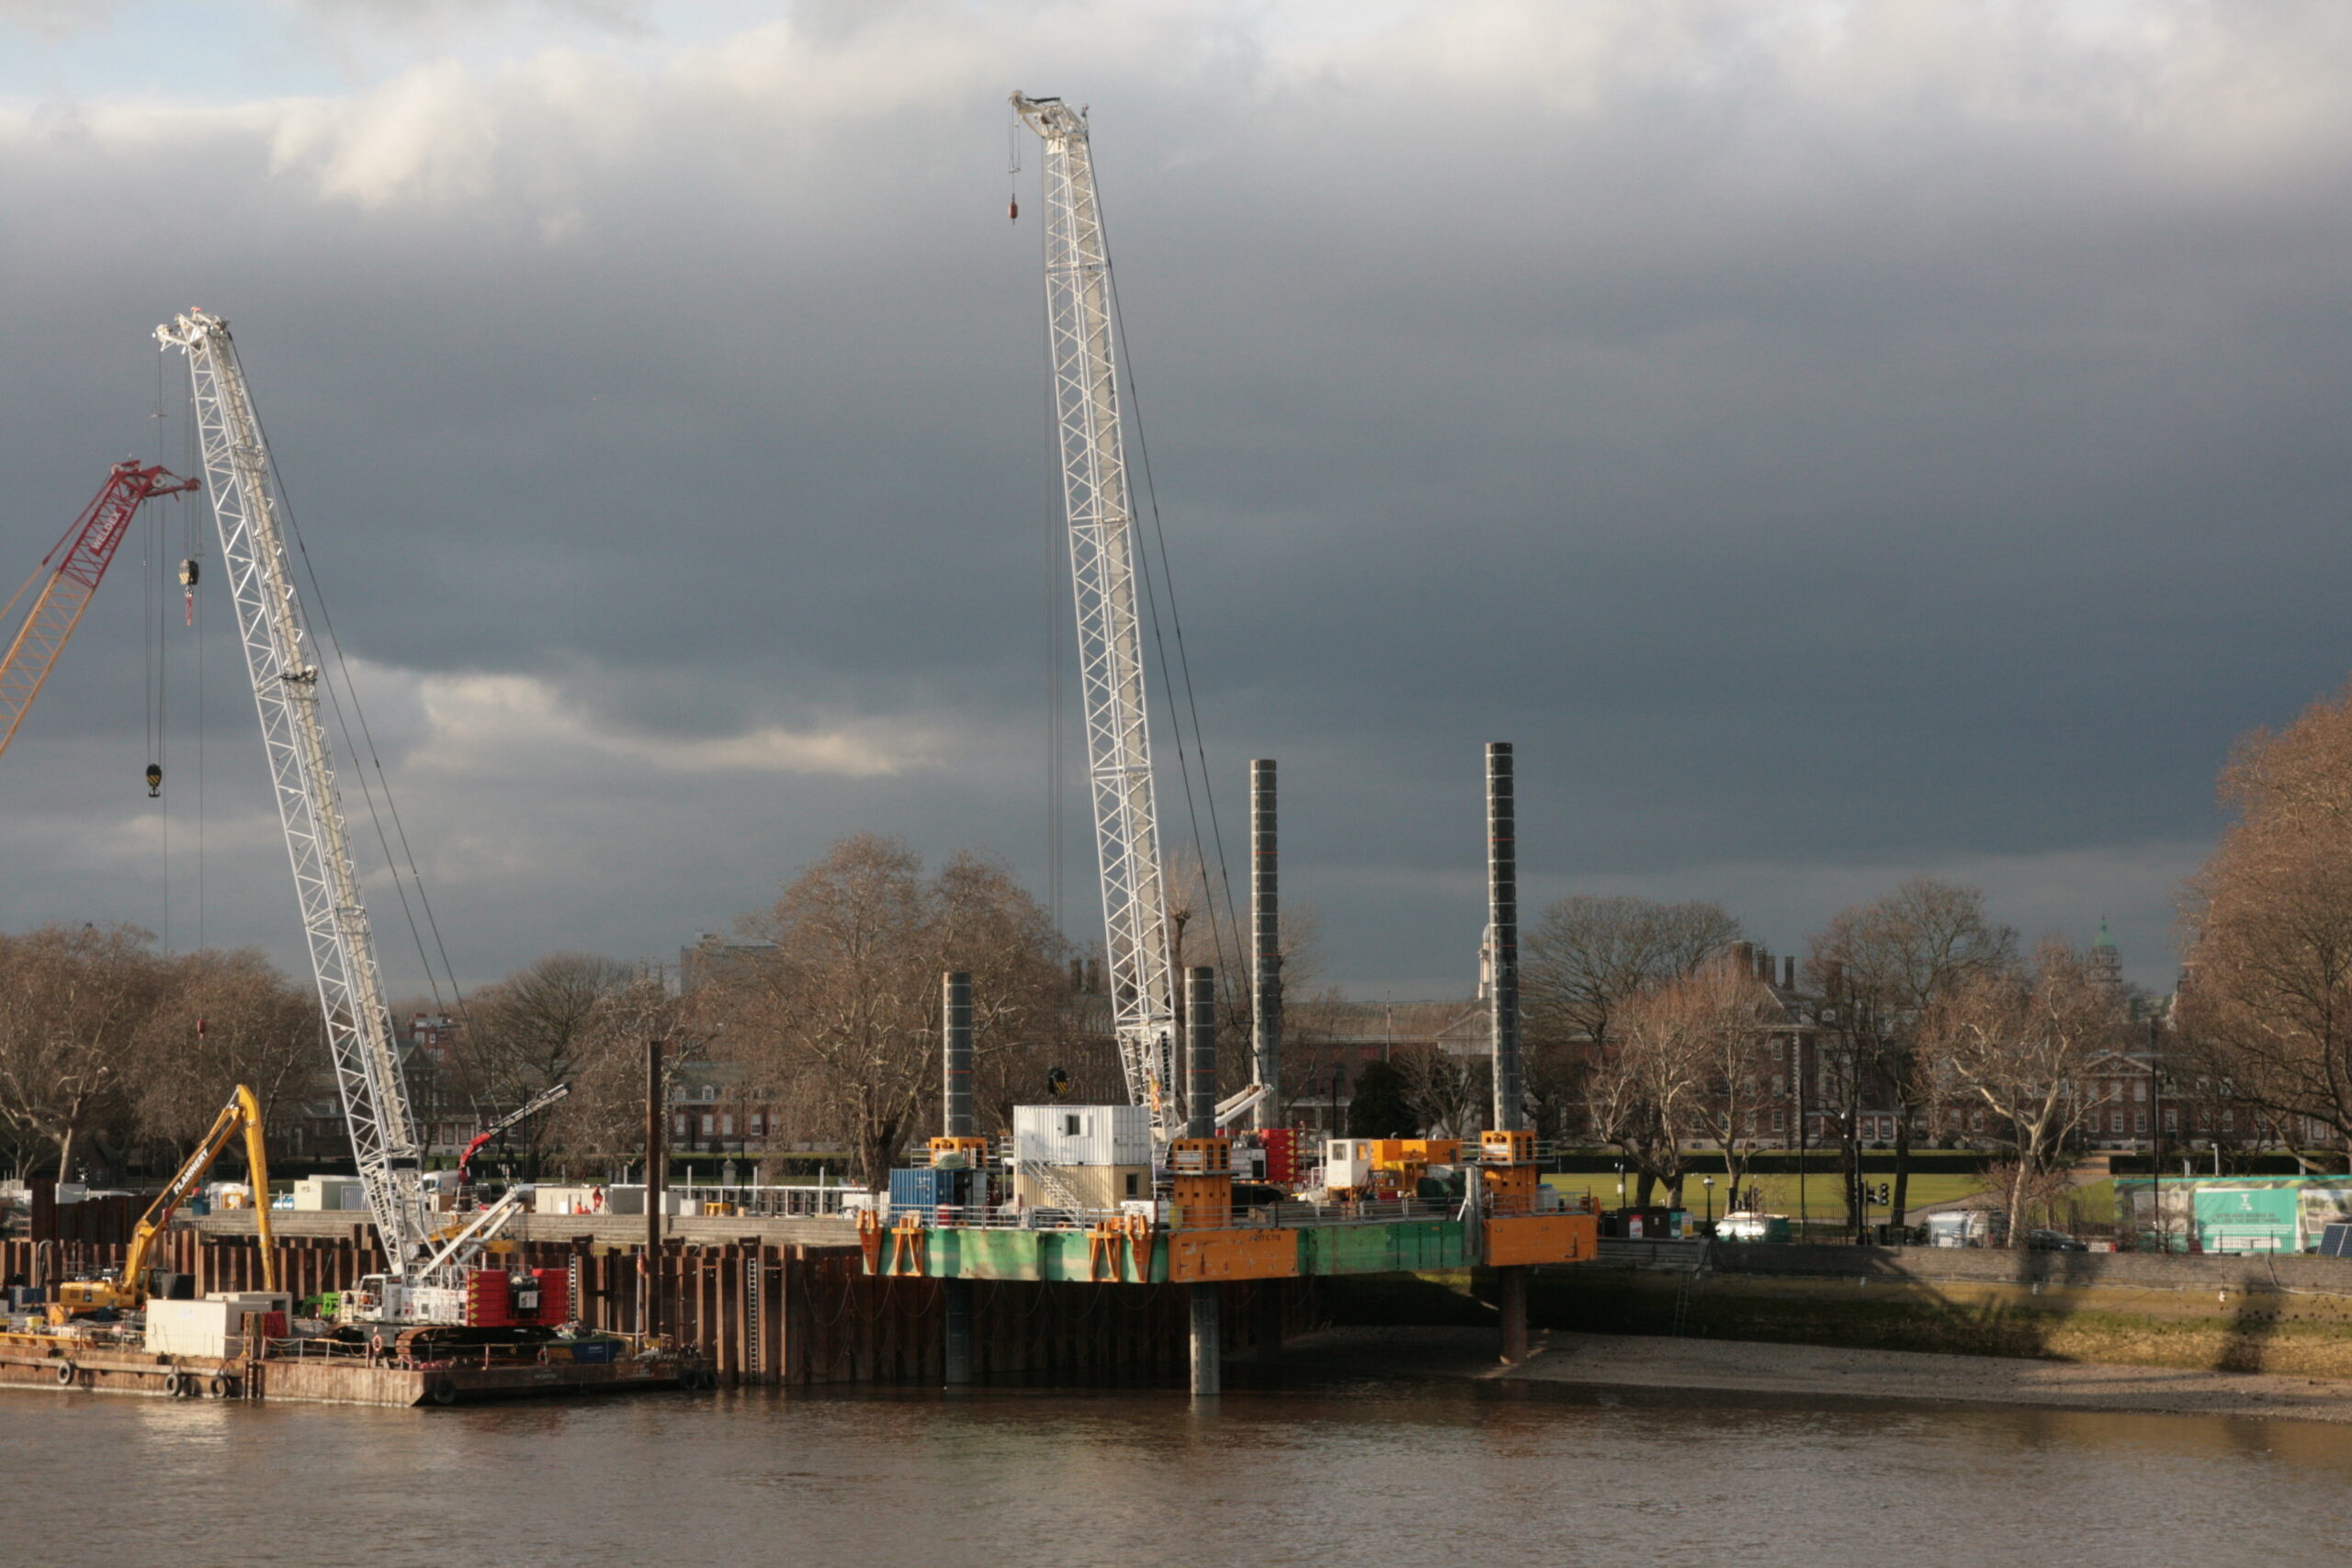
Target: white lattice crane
288, 681
1103, 554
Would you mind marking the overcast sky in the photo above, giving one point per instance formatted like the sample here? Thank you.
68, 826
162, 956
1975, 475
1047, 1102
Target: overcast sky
1833, 441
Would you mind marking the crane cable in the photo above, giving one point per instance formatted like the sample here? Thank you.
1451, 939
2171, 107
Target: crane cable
1164, 582
367, 758
192, 532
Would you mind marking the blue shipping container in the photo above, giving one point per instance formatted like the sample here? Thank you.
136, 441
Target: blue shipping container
930, 1188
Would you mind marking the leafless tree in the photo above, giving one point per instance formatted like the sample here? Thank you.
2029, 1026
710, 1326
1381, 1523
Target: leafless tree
1650, 1082
1448, 1092
220, 1020
1716, 1024
1879, 967
2023, 1044
535, 1028
2265, 1005
73, 1001
1584, 957
602, 1123
839, 1014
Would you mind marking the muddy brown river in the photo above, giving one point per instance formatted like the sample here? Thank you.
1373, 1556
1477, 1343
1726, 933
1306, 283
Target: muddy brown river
1343, 1473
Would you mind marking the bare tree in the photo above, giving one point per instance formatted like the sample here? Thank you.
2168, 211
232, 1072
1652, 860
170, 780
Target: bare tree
73, 1001
602, 1121
2023, 1046
1653, 1080
1584, 957
839, 1014
1447, 1091
220, 1020
1880, 966
2265, 1004
1719, 1021
536, 1029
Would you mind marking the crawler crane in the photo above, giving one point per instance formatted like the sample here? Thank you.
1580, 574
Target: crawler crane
1100, 504
1101, 510
426, 1274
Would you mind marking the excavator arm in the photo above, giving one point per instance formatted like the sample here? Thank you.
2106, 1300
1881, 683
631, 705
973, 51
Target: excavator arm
128, 1290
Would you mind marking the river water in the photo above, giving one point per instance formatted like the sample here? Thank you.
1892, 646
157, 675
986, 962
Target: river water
1371, 1473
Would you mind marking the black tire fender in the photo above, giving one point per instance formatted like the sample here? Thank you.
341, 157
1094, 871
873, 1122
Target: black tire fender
66, 1372
443, 1390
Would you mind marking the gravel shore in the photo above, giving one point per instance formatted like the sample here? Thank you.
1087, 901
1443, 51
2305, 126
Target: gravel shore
1634, 1364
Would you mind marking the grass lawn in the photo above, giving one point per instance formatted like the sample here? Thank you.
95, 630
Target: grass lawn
1822, 1197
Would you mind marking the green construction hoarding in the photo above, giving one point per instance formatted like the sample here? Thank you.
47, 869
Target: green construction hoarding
2232, 1213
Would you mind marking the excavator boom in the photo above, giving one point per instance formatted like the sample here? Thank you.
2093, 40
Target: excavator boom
128, 1290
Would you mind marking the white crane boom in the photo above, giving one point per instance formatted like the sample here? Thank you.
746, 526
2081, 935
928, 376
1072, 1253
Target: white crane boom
1101, 510
282, 661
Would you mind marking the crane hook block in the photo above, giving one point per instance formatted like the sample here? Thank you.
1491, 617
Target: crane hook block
1013, 209
154, 780
187, 572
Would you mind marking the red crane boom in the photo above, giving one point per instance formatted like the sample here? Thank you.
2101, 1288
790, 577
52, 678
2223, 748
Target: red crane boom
82, 557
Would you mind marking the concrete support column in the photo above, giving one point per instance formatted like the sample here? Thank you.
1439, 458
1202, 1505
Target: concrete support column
956, 1105
1199, 1115
956, 1361
1266, 948
1510, 1300
1208, 1340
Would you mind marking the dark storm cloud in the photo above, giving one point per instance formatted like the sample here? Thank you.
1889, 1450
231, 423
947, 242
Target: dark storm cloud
1831, 447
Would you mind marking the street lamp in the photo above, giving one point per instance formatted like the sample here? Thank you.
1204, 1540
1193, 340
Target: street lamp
1709, 1183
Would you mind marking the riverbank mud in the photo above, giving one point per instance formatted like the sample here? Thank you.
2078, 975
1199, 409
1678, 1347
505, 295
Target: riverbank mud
1632, 1365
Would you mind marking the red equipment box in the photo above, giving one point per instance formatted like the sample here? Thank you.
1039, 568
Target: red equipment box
555, 1296
1282, 1154
489, 1299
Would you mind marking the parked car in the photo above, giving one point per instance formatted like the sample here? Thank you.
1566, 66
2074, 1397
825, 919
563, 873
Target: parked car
1753, 1227
2054, 1241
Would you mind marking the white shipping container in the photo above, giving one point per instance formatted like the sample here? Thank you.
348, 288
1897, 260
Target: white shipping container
214, 1326
189, 1328
1082, 1134
330, 1192
547, 1200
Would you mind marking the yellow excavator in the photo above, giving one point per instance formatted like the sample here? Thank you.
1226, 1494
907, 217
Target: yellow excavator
127, 1291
